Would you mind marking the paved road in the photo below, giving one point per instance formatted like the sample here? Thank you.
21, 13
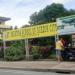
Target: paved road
18, 72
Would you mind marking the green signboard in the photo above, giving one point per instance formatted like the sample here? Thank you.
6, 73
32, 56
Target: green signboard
66, 25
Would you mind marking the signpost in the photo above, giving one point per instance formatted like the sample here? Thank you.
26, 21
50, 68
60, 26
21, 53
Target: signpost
27, 49
4, 44
44, 30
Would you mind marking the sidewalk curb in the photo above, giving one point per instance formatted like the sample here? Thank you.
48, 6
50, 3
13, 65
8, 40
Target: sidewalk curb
41, 70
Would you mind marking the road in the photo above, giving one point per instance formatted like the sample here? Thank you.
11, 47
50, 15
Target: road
19, 72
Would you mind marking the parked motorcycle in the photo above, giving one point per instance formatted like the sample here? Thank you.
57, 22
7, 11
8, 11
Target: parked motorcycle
69, 54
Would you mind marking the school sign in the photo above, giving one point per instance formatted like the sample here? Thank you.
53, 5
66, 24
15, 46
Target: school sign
49, 29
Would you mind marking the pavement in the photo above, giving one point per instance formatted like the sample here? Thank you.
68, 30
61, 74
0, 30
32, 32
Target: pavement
45, 66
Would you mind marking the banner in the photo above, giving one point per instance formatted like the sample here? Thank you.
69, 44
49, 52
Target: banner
49, 29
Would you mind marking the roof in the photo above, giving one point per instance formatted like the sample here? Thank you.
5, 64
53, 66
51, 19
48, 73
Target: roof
5, 27
4, 19
67, 17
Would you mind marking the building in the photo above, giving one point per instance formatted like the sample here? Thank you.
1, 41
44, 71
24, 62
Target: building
3, 26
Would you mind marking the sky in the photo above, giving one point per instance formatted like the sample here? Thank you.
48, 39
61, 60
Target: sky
20, 10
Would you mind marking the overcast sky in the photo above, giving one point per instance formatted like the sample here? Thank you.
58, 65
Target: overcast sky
20, 10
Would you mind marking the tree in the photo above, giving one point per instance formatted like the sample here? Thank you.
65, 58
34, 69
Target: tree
49, 14
24, 26
33, 18
71, 12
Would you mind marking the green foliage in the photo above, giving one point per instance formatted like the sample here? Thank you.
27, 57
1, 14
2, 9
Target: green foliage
46, 51
1, 52
44, 41
42, 52
35, 52
49, 14
14, 52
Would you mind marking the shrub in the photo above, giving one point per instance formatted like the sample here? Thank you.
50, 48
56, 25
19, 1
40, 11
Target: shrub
42, 52
1, 52
35, 52
45, 52
14, 53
